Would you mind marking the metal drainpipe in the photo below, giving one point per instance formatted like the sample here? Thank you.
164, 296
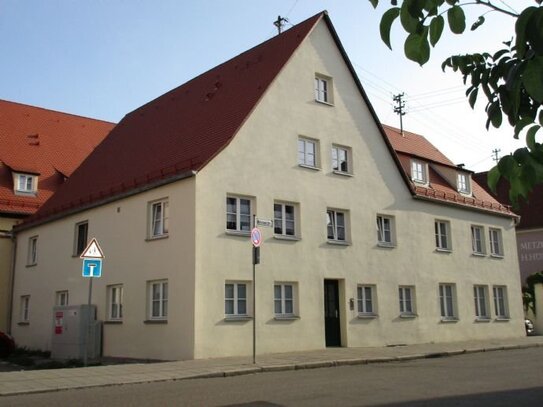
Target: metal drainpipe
11, 280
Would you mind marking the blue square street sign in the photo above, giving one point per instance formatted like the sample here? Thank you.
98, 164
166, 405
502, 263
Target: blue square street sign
92, 267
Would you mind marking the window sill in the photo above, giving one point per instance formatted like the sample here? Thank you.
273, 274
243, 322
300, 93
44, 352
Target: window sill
113, 322
497, 256
238, 233
285, 237
342, 173
155, 321
386, 245
32, 194
448, 320
23, 323
31, 265
159, 237
286, 317
502, 319
478, 254
440, 250
309, 167
237, 318
409, 315
420, 183
338, 242
367, 316
322, 102
482, 319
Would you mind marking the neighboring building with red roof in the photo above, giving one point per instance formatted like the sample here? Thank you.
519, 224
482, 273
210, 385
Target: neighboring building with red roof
377, 238
39, 150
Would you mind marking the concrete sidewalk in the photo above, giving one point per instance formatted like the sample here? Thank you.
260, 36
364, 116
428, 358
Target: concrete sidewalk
35, 381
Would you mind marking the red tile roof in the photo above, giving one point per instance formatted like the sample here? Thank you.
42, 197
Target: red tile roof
180, 131
411, 145
45, 142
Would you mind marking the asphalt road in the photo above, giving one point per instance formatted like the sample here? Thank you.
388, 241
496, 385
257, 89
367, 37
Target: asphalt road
504, 378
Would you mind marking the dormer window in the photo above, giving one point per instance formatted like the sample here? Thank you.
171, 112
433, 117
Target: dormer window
463, 184
26, 183
419, 172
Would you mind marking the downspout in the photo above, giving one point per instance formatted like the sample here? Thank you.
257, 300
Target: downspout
11, 280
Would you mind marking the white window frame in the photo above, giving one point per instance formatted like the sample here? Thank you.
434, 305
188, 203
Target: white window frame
385, 233
496, 242
406, 297
419, 172
478, 240
158, 218
346, 152
115, 302
78, 249
501, 307
236, 299
442, 234
281, 300
62, 298
306, 158
241, 226
366, 300
280, 222
24, 315
323, 89
161, 300
463, 183
32, 256
447, 302
332, 216
25, 183
482, 309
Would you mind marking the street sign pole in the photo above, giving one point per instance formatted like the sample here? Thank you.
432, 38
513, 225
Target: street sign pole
254, 305
87, 331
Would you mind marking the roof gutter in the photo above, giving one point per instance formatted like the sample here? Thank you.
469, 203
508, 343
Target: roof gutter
32, 223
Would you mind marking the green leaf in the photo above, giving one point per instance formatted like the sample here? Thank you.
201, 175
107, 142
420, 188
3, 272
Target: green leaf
494, 114
409, 22
541, 117
534, 31
456, 19
386, 23
480, 21
473, 97
507, 166
532, 78
374, 3
499, 54
530, 137
522, 123
520, 30
492, 178
416, 48
436, 29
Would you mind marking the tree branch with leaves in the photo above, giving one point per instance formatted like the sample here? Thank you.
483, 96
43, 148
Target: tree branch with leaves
510, 78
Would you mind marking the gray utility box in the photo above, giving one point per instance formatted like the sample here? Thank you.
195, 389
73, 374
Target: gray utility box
70, 324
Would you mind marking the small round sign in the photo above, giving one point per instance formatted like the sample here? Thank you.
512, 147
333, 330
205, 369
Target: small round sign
256, 237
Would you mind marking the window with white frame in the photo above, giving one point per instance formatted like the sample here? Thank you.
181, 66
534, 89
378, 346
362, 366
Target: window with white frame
496, 245
477, 240
80, 237
238, 214
447, 301
25, 308
385, 229
115, 302
323, 89
61, 298
158, 219
336, 225
32, 257
283, 299
407, 300
463, 184
341, 159
366, 300
480, 293
25, 183
284, 219
500, 302
308, 152
158, 299
442, 235
235, 299
419, 171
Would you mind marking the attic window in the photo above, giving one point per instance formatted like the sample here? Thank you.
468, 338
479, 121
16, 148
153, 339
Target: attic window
323, 89
419, 172
26, 183
463, 184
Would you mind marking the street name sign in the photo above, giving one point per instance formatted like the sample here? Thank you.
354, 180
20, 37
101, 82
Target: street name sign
267, 223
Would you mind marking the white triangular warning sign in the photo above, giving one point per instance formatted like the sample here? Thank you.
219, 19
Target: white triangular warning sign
92, 251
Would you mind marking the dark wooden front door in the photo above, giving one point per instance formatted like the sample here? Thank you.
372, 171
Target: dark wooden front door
331, 313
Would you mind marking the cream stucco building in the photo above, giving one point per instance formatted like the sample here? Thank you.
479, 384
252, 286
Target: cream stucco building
377, 240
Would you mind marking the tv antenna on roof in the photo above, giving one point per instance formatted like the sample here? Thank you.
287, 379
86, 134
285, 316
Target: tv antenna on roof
279, 23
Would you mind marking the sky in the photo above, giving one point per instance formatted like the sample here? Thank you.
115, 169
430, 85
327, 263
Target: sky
105, 58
